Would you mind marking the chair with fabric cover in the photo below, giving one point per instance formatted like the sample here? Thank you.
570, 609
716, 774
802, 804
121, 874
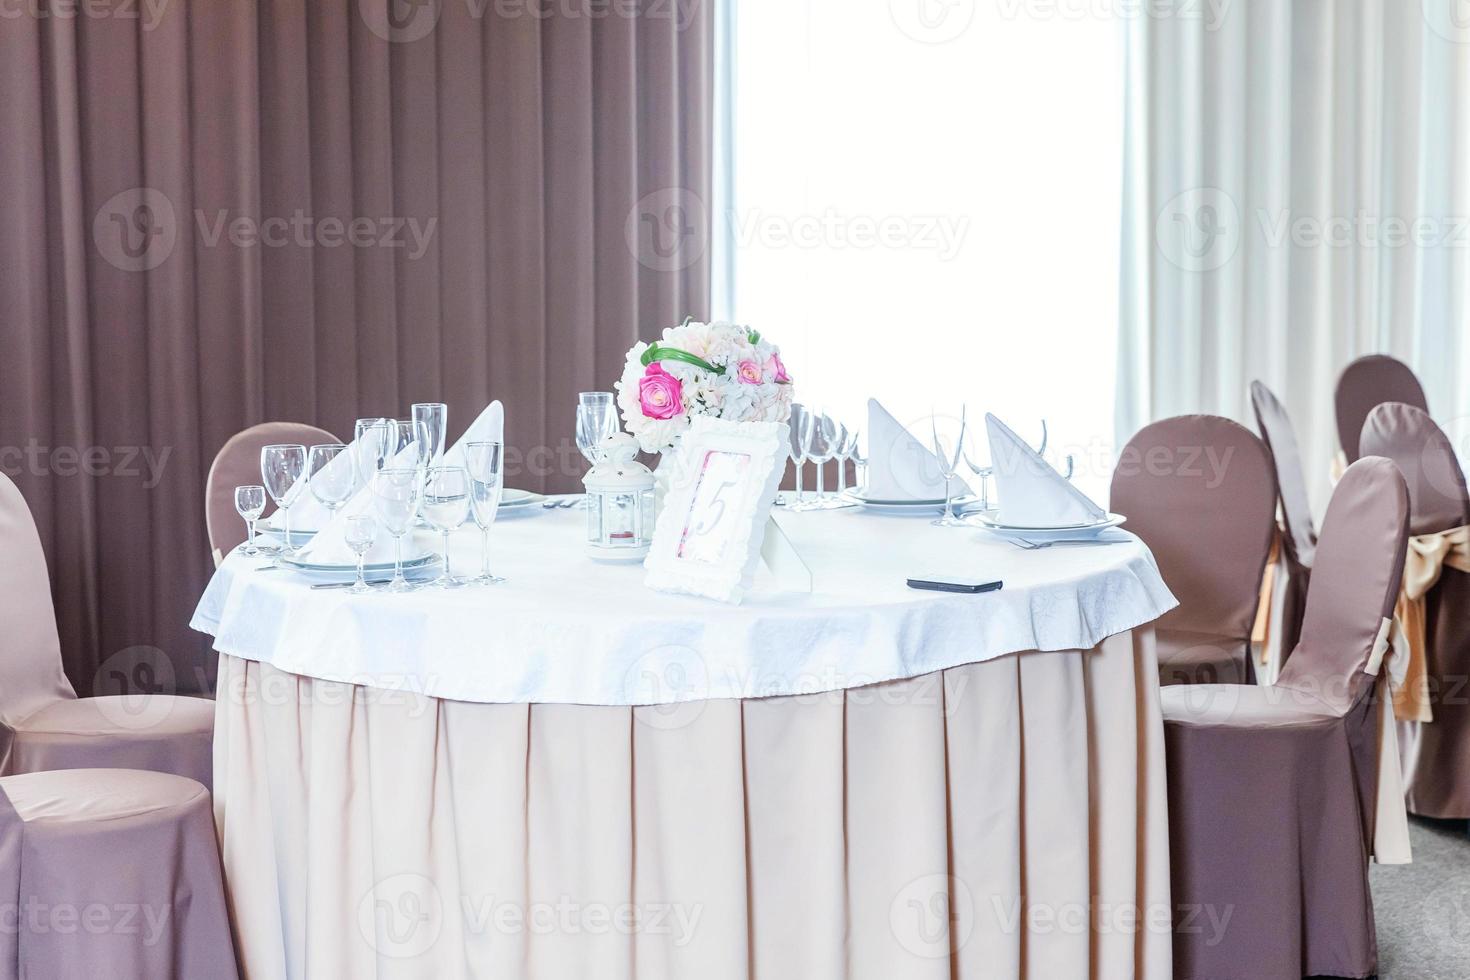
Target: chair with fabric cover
111, 873
237, 464
43, 724
1199, 491
1436, 754
1272, 789
1299, 540
1365, 384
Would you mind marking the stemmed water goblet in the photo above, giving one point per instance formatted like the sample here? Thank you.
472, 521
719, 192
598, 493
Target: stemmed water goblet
281, 467
446, 507
332, 485
396, 491
597, 418
250, 504
359, 535
823, 449
486, 464
842, 455
802, 426
858, 452
948, 448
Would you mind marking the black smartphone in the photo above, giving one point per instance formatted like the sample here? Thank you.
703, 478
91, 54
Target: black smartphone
952, 584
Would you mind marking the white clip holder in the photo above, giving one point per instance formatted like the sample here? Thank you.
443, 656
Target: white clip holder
782, 560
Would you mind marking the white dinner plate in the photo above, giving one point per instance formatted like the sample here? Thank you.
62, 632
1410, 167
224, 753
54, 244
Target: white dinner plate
1085, 532
416, 562
519, 498
925, 507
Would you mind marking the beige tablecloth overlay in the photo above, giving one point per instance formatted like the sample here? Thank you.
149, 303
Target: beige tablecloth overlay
888, 831
1428, 556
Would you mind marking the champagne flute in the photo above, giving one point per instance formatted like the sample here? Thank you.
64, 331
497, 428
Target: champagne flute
432, 420
281, 467
486, 464
371, 447
802, 425
858, 453
824, 447
843, 453
250, 504
330, 484
446, 507
361, 532
597, 418
396, 492
948, 449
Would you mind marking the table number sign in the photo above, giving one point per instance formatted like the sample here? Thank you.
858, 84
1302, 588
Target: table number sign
709, 534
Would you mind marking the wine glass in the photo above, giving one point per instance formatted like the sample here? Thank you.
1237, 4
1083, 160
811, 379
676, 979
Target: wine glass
396, 492
371, 446
842, 454
250, 504
980, 466
330, 484
281, 467
824, 447
857, 451
947, 448
802, 426
446, 507
432, 420
486, 464
361, 532
597, 418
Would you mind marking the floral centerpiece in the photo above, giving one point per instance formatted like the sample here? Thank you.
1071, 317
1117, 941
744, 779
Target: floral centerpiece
717, 369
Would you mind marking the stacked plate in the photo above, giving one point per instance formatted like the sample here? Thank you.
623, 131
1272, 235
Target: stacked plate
415, 567
925, 507
1051, 533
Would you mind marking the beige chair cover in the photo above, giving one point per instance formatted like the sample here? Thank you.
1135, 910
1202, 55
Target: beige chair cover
1284, 590
1199, 491
42, 724
110, 873
1433, 610
237, 464
1273, 791
1001, 819
1365, 384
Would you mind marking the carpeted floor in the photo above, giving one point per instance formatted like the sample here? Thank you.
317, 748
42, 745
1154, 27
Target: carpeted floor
1423, 909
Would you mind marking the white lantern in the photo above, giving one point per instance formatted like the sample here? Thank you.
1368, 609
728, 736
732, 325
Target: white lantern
619, 502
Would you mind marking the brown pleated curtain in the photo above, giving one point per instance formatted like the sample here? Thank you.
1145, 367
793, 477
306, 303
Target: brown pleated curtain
542, 167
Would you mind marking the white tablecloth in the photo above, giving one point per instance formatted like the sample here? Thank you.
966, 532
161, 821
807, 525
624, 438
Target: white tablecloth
565, 629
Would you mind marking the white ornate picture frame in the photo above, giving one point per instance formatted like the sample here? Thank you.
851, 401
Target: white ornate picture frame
709, 533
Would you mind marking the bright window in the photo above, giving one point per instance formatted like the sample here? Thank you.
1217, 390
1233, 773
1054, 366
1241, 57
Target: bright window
923, 205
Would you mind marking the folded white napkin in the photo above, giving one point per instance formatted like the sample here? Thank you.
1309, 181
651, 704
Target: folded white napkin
330, 544
900, 467
489, 427
1031, 492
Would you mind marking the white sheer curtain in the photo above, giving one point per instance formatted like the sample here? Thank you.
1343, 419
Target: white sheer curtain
920, 202
1296, 197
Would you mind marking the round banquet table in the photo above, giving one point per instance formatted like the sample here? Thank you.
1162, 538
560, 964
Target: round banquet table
569, 775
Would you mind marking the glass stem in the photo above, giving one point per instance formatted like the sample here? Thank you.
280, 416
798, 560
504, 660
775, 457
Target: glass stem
485, 553
361, 579
398, 578
948, 499
250, 536
445, 574
798, 480
286, 517
821, 466
841, 476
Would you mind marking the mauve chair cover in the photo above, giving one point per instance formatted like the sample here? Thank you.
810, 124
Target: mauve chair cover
1364, 385
1436, 754
1199, 491
133, 854
1271, 789
42, 723
237, 464
1299, 543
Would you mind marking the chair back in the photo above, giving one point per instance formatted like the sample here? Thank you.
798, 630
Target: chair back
1279, 436
30, 650
1355, 584
1365, 384
238, 464
1199, 491
1425, 457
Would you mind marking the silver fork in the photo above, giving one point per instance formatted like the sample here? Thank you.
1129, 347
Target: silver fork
1027, 545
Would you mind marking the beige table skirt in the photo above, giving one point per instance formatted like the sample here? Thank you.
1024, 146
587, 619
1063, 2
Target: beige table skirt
1001, 819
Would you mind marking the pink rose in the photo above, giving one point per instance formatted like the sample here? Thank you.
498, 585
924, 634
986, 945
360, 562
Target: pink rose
749, 373
781, 375
660, 395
